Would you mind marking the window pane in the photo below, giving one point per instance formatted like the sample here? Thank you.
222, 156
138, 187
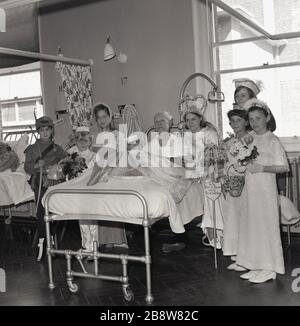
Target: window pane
274, 16
26, 111
258, 53
281, 91
247, 54
8, 113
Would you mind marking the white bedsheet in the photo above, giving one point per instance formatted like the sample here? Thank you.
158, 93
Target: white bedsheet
14, 188
159, 200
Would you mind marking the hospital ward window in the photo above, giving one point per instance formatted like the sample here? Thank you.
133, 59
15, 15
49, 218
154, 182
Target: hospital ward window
243, 52
20, 99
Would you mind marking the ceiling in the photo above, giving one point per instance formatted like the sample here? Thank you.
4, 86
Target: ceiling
22, 25
21, 33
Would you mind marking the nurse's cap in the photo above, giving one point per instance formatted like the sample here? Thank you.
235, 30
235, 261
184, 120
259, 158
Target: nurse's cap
246, 82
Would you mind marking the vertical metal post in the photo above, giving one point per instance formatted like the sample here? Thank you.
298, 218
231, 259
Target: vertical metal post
149, 297
215, 233
95, 251
49, 256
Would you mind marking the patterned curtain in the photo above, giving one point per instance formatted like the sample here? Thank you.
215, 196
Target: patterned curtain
77, 86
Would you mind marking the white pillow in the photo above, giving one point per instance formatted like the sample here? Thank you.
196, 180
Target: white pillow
19, 147
289, 212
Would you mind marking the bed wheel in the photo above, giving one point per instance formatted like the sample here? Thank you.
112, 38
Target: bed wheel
74, 288
128, 294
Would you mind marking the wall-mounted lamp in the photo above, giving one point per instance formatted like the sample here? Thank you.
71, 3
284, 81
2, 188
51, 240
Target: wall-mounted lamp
109, 52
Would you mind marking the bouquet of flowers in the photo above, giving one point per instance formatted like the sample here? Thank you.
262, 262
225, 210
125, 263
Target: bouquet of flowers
68, 168
245, 152
73, 165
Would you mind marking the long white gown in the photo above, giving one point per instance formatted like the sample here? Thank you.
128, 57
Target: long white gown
259, 242
199, 140
232, 208
88, 229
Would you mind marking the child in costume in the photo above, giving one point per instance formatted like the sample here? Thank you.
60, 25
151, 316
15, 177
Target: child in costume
40, 156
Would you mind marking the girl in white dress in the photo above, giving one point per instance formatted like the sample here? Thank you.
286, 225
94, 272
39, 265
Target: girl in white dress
110, 234
202, 134
88, 228
233, 206
259, 242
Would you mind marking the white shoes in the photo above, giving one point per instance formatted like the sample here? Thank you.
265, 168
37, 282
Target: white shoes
210, 242
235, 267
263, 276
233, 258
247, 276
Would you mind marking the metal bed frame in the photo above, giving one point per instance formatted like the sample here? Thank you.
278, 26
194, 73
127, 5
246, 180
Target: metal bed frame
145, 221
13, 136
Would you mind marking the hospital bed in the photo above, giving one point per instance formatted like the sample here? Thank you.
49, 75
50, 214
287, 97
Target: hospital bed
134, 200
16, 195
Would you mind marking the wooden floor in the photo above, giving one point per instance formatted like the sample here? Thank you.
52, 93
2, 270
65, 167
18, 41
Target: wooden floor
181, 278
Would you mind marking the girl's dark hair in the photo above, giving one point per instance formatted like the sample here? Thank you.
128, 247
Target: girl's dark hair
103, 107
100, 107
271, 124
203, 123
240, 113
250, 92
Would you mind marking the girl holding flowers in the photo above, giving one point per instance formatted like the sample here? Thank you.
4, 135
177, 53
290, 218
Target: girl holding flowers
233, 206
259, 242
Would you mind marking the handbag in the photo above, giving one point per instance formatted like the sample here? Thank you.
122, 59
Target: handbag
233, 184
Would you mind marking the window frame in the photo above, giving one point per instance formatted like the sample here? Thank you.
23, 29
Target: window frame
291, 144
16, 101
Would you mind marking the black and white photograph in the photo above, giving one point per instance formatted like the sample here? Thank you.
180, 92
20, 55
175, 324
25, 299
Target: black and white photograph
149, 156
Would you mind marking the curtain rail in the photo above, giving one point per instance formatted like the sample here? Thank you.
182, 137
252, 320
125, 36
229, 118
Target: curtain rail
46, 57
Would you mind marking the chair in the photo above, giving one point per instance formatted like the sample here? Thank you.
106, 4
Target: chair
288, 186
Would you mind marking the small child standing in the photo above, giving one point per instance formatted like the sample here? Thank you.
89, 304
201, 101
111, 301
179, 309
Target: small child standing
83, 141
38, 158
233, 206
259, 242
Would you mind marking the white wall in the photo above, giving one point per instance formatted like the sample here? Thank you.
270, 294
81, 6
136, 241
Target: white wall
156, 35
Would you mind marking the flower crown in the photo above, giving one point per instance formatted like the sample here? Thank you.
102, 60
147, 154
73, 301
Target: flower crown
258, 103
197, 104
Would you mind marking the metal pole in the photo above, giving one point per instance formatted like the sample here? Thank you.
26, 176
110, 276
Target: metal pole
45, 57
264, 66
250, 23
215, 234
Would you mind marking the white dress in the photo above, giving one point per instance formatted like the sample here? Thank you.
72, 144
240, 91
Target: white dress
232, 208
88, 229
259, 242
103, 232
200, 139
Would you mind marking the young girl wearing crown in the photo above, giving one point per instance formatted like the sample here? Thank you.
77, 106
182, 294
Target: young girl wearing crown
259, 242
